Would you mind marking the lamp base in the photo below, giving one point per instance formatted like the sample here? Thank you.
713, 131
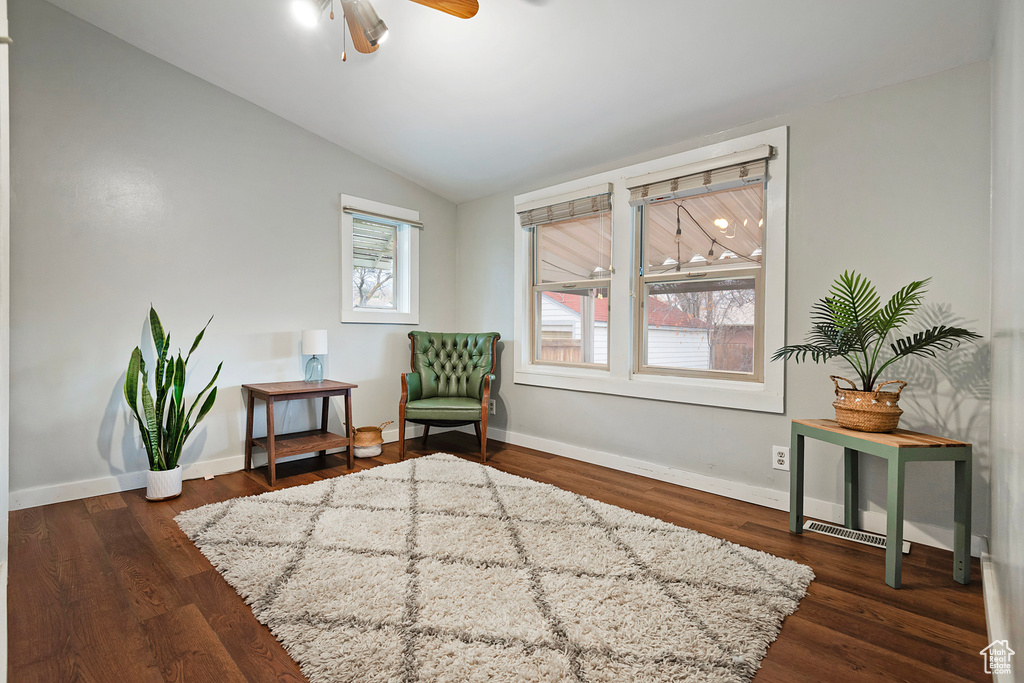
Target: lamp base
314, 371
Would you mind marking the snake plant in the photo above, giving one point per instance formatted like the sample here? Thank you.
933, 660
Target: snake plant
851, 323
163, 421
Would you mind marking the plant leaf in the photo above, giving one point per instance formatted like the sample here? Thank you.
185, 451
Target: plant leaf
926, 342
854, 302
179, 383
131, 380
205, 389
900, 307
159, 340
199, 338
799, 353
152, 425
207, 406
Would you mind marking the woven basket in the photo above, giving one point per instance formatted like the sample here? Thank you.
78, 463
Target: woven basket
867, 411
369, 436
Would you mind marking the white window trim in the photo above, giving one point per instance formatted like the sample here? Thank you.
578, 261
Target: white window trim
407, 286
620, 379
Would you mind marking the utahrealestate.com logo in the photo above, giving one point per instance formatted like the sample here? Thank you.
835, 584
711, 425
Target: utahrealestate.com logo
997, 657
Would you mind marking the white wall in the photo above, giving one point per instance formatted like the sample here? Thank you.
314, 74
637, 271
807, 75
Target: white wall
1006, 545
893, 183
135, 182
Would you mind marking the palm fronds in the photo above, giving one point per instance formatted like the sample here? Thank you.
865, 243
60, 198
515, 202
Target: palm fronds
851, 323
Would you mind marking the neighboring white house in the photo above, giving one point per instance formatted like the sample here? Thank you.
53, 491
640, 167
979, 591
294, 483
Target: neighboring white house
680, 340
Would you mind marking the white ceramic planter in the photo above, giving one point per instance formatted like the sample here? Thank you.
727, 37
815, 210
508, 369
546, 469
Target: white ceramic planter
163, 485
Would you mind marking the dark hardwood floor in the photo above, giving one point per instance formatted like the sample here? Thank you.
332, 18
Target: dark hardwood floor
108, 589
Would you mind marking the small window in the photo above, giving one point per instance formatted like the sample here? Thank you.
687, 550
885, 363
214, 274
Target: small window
702, 243
380, 262
571, 265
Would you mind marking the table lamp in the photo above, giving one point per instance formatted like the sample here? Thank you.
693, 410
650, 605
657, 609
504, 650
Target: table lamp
314, 343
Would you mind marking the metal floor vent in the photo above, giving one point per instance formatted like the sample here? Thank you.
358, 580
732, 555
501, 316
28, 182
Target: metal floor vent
864, 537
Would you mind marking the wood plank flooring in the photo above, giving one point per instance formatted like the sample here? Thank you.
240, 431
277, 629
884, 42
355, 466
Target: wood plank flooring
108, 589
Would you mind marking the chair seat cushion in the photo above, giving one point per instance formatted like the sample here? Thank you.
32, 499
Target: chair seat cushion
443, 408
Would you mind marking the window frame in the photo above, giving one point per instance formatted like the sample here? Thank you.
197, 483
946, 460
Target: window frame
406, 266
706, 273
623, 377
537, 288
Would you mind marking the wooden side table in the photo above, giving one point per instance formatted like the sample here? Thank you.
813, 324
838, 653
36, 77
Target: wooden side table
281, 445
898, 448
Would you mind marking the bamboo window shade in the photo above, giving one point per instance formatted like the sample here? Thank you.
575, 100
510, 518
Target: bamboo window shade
714, 180
576, 208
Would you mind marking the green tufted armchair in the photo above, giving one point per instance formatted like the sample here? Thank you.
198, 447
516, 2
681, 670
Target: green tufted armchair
450, 384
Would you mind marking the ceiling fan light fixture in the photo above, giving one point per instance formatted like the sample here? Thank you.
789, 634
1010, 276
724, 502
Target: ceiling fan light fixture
309, 12
375, 30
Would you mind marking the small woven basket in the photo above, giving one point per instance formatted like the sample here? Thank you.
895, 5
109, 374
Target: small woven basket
367, 440
867, 411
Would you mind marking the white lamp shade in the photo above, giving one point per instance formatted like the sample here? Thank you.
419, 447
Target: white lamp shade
314, 342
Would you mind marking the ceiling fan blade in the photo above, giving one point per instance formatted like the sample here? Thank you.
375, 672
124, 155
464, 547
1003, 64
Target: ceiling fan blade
463, 9
359, 41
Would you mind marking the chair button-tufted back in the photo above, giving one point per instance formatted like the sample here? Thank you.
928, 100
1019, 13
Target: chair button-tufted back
452, 365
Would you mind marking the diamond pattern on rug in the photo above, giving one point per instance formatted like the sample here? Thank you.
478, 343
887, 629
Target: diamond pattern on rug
373, 493
481, 601
440, 569
338, 585
362, 530
574, 548
470, 538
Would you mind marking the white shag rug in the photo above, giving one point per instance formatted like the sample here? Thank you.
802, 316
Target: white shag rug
440, 569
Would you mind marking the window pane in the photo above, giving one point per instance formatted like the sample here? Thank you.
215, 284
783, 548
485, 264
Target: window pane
701, 325
573, 326
680, 233
373, 270
574, 249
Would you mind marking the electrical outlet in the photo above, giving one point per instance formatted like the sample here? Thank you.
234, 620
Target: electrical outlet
780, 458
493, 407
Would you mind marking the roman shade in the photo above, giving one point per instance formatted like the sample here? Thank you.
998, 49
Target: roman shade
564, 210
715, 180
710, 175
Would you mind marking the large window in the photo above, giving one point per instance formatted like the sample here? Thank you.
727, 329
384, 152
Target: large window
570, 255
380, 262
662, 280
701, 244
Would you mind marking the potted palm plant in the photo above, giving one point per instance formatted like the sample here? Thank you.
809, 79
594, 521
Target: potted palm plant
164, 423
851, 323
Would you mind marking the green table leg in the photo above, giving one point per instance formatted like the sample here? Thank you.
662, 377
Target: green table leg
894, 523
796, 483
962, 521
851, 458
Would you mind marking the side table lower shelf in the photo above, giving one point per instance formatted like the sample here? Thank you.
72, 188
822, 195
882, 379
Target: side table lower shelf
303, 442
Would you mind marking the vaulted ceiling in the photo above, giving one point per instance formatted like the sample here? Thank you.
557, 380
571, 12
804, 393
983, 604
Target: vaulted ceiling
529, 89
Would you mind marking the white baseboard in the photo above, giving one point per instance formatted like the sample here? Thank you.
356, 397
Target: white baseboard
871, 520
87, 488
995, 617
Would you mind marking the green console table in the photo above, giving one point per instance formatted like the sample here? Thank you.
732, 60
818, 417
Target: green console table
898, 448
